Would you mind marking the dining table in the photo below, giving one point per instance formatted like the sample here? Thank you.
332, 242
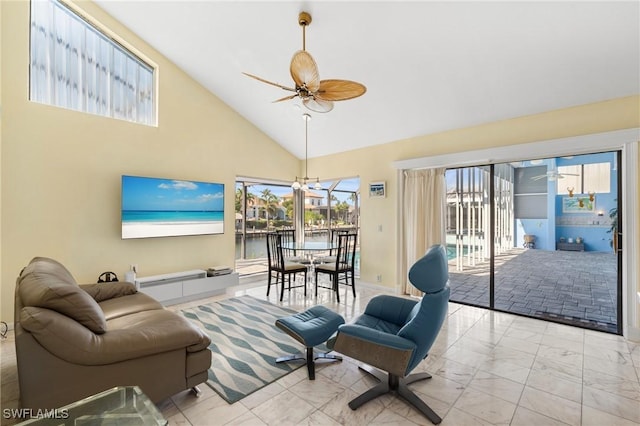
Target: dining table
310, 246
310, 249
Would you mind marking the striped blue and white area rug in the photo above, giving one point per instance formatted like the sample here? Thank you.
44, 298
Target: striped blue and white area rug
245, 344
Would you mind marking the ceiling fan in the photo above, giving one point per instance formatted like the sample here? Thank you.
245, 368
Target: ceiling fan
317, 95
553, 175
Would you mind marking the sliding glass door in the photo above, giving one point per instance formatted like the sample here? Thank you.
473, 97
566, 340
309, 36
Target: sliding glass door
539, 238
467, 229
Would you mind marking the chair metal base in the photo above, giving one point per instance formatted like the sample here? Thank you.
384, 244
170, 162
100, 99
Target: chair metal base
392, 383
310, 358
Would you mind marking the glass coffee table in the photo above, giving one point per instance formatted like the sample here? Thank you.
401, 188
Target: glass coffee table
122, 406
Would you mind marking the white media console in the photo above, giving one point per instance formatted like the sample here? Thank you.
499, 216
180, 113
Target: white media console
178, 287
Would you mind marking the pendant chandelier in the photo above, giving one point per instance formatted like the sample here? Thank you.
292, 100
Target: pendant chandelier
303, 182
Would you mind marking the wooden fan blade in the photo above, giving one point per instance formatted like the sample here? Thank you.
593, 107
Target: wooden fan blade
339, 90
318, 105
304, 71
270, 82
286, 98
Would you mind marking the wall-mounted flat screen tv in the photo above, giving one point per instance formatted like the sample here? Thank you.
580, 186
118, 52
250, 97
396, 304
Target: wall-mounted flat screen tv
153, 207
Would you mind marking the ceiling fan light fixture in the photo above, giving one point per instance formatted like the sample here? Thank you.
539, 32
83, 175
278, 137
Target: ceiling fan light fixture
316, 95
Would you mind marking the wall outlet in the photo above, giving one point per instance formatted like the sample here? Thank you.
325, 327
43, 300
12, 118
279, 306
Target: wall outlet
379, 278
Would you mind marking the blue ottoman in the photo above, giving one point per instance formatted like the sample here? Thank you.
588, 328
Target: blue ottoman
311, 327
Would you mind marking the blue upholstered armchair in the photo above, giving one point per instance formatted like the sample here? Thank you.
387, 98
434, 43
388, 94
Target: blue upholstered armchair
395, 334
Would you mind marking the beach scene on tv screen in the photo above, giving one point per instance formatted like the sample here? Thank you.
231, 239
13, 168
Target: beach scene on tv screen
153, 207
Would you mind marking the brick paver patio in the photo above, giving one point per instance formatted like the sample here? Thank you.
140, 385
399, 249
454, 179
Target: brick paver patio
578, 288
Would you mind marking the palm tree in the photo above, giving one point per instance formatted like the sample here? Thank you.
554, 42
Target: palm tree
354, 200
342, 209
270, 201
288, 205
238, 200
334, 204
251, 199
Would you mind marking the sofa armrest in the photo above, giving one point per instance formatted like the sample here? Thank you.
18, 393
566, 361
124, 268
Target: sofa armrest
147, 333
106, 291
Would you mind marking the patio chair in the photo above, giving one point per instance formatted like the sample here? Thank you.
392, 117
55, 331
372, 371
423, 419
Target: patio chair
281, 267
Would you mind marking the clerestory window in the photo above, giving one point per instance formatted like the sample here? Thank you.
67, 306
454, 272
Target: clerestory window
77, 66
584, 178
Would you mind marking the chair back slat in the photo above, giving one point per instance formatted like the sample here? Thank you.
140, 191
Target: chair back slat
277, 265
346, 251
333, 236
287, 236
274, 250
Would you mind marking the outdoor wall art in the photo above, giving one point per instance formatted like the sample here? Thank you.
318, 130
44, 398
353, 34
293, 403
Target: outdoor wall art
579, 204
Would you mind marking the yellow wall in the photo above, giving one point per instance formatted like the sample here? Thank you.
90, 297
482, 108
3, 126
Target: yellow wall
61, 169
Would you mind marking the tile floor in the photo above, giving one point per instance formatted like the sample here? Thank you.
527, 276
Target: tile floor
488, 368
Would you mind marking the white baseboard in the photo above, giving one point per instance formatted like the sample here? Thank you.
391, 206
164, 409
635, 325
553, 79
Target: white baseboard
633, 334
381, 288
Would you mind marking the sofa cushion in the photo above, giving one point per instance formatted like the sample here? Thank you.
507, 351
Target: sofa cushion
105, 291
44, 288
51, 267
126, 305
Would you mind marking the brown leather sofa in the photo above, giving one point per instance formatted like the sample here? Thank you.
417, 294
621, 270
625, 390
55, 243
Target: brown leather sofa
74, 341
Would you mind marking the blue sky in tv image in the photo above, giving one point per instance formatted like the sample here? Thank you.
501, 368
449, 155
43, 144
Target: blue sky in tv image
145, 194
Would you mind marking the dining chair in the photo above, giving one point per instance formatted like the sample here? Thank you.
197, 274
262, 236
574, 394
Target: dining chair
344, 265
291, 255
281, 267
331, 257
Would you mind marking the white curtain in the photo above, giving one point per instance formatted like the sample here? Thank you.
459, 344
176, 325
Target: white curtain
75, 66
422, 213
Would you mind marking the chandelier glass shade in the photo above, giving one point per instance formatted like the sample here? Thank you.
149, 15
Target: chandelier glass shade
303, 183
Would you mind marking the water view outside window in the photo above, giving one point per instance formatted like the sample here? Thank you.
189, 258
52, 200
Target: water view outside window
270, 207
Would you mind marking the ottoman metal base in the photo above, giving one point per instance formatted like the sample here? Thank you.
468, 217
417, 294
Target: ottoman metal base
311, 328
310, 359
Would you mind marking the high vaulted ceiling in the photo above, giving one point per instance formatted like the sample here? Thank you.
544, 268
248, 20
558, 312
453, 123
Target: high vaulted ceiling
428, 66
